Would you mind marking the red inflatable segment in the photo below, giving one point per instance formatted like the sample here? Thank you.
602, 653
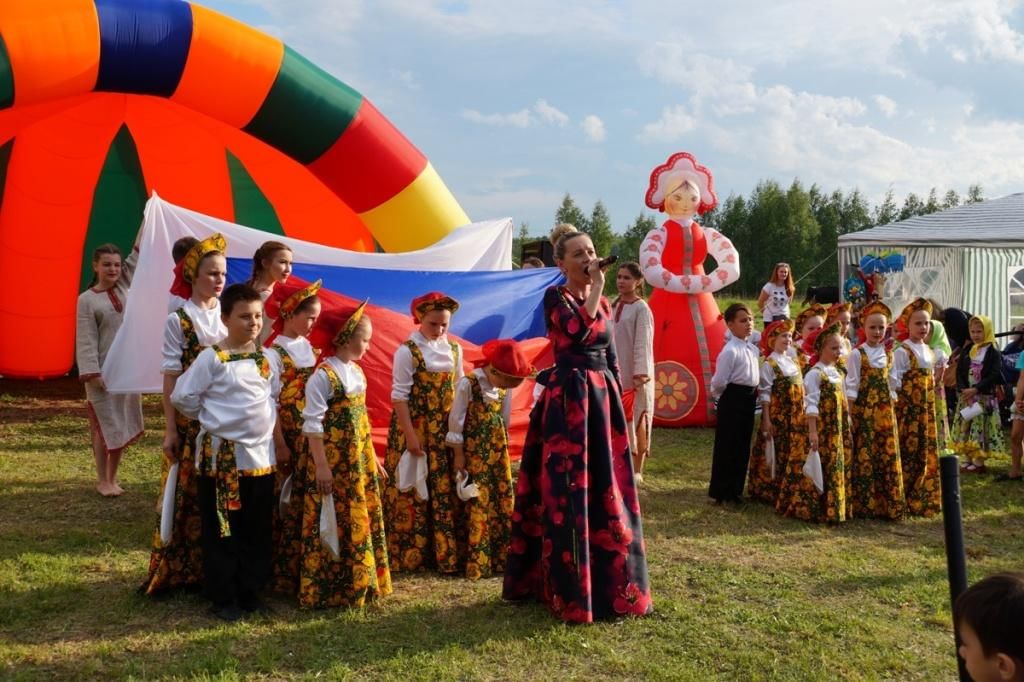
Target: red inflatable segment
371, 162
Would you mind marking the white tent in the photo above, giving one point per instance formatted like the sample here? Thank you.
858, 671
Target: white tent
969, 257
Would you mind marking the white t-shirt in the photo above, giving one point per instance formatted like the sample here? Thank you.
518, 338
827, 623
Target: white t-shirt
777, 303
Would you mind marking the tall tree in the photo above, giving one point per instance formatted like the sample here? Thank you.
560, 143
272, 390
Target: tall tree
856, 214
886, 212
600, 229
912, 206
570, 213
974, 194
517, 242
627, 246
951, 200
932, 205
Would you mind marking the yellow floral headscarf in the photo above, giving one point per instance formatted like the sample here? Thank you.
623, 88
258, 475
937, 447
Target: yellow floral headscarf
989, 338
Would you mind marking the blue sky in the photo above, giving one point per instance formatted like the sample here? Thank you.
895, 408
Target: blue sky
516, 103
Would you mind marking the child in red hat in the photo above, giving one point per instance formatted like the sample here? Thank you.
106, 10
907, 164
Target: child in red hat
421, 514
478, 435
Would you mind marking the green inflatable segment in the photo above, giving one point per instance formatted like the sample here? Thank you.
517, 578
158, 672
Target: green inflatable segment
118, 202
252, 208
5, 158
6, 77
306, 110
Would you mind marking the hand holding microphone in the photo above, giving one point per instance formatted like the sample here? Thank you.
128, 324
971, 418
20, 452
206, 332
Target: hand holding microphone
602, 264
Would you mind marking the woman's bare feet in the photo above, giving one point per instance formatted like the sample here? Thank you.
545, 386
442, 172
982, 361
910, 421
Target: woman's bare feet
108, 489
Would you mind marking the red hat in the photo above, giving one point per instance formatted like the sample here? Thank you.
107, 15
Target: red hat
505, 357
669, 175
772, 332
434, 300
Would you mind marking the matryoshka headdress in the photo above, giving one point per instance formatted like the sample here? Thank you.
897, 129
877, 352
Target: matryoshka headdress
434, 300
815, 309
913, 307
186, 269
287, 307
667, 177
506, 357
773, 331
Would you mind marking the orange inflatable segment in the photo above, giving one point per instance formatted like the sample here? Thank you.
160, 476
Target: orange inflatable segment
418, 216
230, 68
54, 50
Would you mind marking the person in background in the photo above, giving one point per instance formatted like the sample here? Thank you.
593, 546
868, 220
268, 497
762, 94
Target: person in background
938, 341
978, 380
1011, 352
777, 294
178, 251
271, 265
531, 262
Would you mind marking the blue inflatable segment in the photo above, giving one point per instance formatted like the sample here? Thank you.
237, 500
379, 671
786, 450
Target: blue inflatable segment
492, 305
144, 45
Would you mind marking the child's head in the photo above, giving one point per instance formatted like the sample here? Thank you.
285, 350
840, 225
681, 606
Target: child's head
531, 262
353, 337
301, 322
777, 337
824, 345
433, 313
298, 312
916, 318
204, 267
272, 261
241, 310
810, 320
841, 313
980, 329
875, 318
181, 247
782, 275
739, 320
504, 363
629, 280
106, 265
988, 617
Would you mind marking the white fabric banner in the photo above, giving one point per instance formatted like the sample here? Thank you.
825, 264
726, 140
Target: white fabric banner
133, 362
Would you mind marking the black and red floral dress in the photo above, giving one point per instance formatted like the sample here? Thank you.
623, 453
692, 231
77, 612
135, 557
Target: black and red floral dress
577, 541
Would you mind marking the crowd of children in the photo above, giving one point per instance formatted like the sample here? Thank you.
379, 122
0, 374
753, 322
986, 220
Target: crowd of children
852, 430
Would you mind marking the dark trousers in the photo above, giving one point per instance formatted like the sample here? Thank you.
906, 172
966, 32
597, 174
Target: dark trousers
237, 567
732, 442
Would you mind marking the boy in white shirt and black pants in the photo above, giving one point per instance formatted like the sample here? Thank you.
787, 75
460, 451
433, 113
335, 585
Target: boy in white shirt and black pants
734, 386
228, 389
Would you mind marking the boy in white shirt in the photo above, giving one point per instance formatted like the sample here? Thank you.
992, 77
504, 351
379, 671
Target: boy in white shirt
228, 389
734, 386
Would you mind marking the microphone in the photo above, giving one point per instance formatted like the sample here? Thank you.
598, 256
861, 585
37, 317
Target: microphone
603, 263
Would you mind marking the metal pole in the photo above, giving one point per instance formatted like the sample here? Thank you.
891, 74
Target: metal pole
956, 558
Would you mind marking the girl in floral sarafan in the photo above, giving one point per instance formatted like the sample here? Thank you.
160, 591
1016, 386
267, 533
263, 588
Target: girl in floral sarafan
799, 497
478, 437
577, 538
198, 281
875, 476
292, 359
915, 369
781, 395
421, 504
808, 321
978, 380
349, 567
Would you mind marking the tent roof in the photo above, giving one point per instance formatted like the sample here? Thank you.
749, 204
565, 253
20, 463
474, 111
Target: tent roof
998, 222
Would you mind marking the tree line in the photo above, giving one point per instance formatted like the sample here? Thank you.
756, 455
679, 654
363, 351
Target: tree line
795, 224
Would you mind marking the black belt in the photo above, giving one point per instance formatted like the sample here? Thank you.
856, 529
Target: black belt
596, 360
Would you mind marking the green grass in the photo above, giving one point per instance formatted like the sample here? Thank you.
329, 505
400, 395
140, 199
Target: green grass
739, 594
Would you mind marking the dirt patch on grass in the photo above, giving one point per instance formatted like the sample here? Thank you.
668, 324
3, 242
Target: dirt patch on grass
24, 400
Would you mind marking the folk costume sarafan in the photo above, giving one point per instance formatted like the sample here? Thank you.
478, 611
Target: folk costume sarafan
229, 393
117, 418
875, 474
187, 332
292, 360
335, 411
422, 532
781, 389
823, 398
577, 538
478, 421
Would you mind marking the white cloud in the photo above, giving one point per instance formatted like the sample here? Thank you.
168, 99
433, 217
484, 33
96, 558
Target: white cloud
406, 78
516, 119
675, 122
593, 127
549, 114
886, 105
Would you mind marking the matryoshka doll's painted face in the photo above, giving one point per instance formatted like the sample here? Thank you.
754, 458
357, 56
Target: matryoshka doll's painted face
682, 202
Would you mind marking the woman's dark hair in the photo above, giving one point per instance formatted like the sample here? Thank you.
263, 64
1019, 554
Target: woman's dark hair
735, 309
266, 250
533, 262
101, 251
306, 304
633, 268
237, 293
181, 248
994, 609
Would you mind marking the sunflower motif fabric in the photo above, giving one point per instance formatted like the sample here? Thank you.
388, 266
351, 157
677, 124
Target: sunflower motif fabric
487, 516
876, 473
288, 521
798, 497
361, 574
982, 437
789, 436
422, 533
915, 415
180, 563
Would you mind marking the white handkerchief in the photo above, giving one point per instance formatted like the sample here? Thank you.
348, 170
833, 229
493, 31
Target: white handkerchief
167, 505
812, 469
465, 490
412, 473
971, 411
329, 525
286, 495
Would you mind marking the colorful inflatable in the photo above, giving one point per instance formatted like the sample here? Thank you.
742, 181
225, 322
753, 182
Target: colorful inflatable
104, 101
688, 329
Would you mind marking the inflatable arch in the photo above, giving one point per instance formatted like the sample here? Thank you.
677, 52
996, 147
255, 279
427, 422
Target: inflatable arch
104, 101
